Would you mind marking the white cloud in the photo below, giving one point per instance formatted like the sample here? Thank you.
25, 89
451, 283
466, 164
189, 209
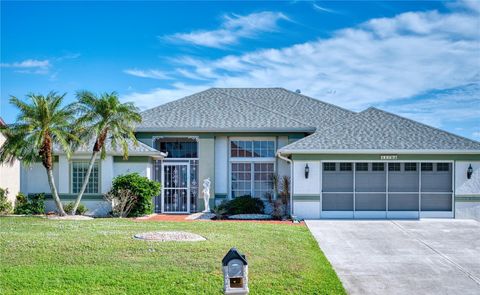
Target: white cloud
153, 74
160, 96
476, 134
380, 62
321, 8
28, 63
233, 28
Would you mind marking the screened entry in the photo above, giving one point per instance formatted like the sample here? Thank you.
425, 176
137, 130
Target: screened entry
386, 190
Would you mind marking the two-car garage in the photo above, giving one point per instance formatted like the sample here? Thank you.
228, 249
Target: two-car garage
378, 189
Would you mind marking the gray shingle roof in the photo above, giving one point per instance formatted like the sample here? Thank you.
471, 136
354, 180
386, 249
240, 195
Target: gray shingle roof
374, 129
243, 109
133, 150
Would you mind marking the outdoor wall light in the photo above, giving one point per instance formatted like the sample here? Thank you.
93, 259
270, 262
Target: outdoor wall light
307, 170
469, 171
235, 273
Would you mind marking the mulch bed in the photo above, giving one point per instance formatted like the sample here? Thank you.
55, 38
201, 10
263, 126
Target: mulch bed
182, 218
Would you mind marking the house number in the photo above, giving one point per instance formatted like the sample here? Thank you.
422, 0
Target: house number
388, 157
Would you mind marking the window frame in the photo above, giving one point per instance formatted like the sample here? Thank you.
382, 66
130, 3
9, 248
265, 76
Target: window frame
443, 163
99, 180
424, 166
410, 170
396, 165
252, 141
375, 169
329, 163
252, 176
156, 144
347, 167
252, 160
357, 165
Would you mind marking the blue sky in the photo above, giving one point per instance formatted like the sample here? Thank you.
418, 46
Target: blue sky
417, 59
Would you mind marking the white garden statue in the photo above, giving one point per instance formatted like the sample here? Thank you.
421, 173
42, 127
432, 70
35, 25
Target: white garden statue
206, 194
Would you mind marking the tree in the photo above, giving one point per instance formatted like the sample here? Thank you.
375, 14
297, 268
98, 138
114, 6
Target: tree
40, 125
103, 118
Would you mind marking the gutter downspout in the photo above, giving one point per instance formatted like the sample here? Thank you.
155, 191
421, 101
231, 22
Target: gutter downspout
279, 155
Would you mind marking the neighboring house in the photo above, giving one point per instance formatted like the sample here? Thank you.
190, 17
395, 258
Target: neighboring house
343, 164
9, 173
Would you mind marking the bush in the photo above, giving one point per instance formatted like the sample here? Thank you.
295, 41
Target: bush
243, 205
122, 202
31, 205
142, 187
81, 209
5, 204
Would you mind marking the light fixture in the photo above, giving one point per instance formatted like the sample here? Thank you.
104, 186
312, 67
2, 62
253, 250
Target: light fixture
469, 171
307, 170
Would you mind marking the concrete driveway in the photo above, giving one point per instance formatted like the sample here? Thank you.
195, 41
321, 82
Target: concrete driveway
402, 257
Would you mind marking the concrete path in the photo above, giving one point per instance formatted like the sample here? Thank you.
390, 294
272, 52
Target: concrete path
429, 256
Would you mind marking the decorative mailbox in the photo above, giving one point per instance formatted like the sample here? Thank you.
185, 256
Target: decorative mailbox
235, 273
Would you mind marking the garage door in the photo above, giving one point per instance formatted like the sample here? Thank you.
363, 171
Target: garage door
386, 190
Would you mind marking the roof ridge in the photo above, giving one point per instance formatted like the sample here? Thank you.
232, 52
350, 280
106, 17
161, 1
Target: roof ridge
317, 100
420, 123
265, 108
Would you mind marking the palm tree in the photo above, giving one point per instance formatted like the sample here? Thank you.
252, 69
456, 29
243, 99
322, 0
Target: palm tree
101, 118
40, 125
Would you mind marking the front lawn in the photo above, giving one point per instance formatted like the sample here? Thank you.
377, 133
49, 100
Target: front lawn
40, 256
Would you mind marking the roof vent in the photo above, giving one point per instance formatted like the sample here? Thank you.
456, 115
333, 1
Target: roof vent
298, 91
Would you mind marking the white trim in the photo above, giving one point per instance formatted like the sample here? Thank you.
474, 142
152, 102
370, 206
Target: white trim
371, 151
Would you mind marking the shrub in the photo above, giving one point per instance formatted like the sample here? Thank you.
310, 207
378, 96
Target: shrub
5, 204
142, 187
31, 205
220, 211
243, 205
122, 201
81, 209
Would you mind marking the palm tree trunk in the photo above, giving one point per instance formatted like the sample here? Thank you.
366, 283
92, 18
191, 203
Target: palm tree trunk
85, 182
53, 188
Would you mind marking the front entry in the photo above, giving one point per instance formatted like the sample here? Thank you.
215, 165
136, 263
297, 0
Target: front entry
176, 190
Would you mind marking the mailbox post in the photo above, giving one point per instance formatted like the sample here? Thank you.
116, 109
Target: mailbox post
235, 273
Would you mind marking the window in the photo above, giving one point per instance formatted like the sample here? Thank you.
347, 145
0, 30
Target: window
378, 166
442, 167
328, 166
345, 166
178, 147
241, 179
253, 148
410, 166
254, 179
427, 166
393, 166
361, 166
79, 169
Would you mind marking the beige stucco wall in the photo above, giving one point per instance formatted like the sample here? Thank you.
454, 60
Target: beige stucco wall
10, 176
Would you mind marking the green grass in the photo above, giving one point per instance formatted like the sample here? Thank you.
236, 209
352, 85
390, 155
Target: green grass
40, 256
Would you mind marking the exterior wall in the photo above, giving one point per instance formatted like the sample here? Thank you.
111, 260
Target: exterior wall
10, 176
283, 167
221, 165
144, 169
206, 167
467, 191
34, 178
306, 191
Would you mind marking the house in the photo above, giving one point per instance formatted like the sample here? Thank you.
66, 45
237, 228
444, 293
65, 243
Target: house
9, 173
342, 164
